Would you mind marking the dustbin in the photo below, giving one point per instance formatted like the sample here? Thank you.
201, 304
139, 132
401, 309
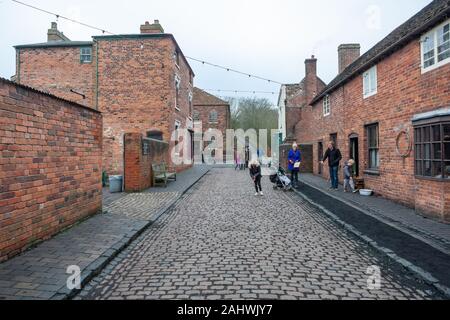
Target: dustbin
115, 184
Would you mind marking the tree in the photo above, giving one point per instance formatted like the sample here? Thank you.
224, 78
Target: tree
253, 113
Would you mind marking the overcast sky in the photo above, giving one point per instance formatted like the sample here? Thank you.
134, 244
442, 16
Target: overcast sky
269, 38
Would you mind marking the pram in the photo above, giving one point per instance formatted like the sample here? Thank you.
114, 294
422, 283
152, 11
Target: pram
280, 180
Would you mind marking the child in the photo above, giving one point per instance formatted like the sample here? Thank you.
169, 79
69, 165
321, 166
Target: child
255, 173
348, 176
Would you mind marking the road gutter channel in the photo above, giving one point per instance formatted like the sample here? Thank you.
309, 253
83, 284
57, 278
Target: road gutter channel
418, 272
97, 266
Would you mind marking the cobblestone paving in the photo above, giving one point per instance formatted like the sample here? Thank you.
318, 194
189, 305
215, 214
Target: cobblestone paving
221, 242
141, 205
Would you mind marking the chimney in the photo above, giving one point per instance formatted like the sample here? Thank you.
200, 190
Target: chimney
53, 34
155, 27
310, 78
348, 53
311, 67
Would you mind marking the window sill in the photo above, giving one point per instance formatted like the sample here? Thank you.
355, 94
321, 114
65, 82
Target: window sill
372, 172
432, 179
370, 95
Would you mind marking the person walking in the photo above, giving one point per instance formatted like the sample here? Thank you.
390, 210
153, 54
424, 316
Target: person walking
334, 157
256, 175
247, 157
294, 161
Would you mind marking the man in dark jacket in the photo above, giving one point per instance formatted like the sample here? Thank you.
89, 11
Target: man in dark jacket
334, 157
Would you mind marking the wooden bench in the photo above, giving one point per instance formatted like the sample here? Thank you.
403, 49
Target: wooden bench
161, 173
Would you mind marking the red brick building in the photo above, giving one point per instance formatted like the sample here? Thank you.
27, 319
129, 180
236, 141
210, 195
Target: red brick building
211, 112
389, 109
140, 82
293, 97
50, 165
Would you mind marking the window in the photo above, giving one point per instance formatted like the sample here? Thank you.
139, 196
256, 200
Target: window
432, 150
213, 117
372, 147
436, 47
177, 92
86, 55
196, 116
370, 82
177, 58
190, 97
326, 106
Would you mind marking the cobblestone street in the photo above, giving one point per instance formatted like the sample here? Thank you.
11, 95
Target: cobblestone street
222, 242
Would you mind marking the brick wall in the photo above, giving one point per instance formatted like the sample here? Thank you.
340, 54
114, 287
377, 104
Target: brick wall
403, 91
50, 166
134, 98
57, 70
138, 166
132, 83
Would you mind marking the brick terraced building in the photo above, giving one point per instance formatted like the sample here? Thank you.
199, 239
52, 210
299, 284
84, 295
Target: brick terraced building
389, 109
140, 82
210, 112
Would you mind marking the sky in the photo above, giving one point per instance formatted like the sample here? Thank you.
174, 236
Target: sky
270, 39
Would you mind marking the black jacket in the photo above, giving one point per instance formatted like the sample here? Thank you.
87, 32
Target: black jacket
334, 157
255, 171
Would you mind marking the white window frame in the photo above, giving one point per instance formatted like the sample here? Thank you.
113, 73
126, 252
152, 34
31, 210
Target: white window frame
82, 54
326, 106
367, 82
177, 88
434, 35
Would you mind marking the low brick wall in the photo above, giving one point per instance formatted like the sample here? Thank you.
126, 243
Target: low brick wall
50, 165
138, 160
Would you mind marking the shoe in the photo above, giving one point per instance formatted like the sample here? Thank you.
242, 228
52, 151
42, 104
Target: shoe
330, 188
261, 193
355, 191
256, 194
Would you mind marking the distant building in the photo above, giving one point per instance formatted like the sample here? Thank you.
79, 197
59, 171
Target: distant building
140, 82
211, 112
295, 96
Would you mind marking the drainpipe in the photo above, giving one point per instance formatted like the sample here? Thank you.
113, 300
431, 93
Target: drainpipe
96, 73
18, 65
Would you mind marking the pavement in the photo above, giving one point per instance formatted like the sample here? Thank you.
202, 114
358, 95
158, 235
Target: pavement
435, 233
417, 243
219, 241
40, 273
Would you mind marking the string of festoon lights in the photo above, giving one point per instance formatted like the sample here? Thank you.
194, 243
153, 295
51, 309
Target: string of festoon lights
203, 62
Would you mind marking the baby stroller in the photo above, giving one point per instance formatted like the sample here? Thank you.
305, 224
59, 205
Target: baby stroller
280, 180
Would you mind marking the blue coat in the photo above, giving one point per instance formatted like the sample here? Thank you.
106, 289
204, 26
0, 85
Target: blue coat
294, 157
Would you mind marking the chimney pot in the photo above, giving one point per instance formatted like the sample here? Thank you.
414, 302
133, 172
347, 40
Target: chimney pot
155, 27
54, 26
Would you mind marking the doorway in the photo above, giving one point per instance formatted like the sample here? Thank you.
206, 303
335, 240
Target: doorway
354, 153
320, 156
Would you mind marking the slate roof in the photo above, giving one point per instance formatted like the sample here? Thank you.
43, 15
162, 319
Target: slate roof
203, 98
55, 44
433, 14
